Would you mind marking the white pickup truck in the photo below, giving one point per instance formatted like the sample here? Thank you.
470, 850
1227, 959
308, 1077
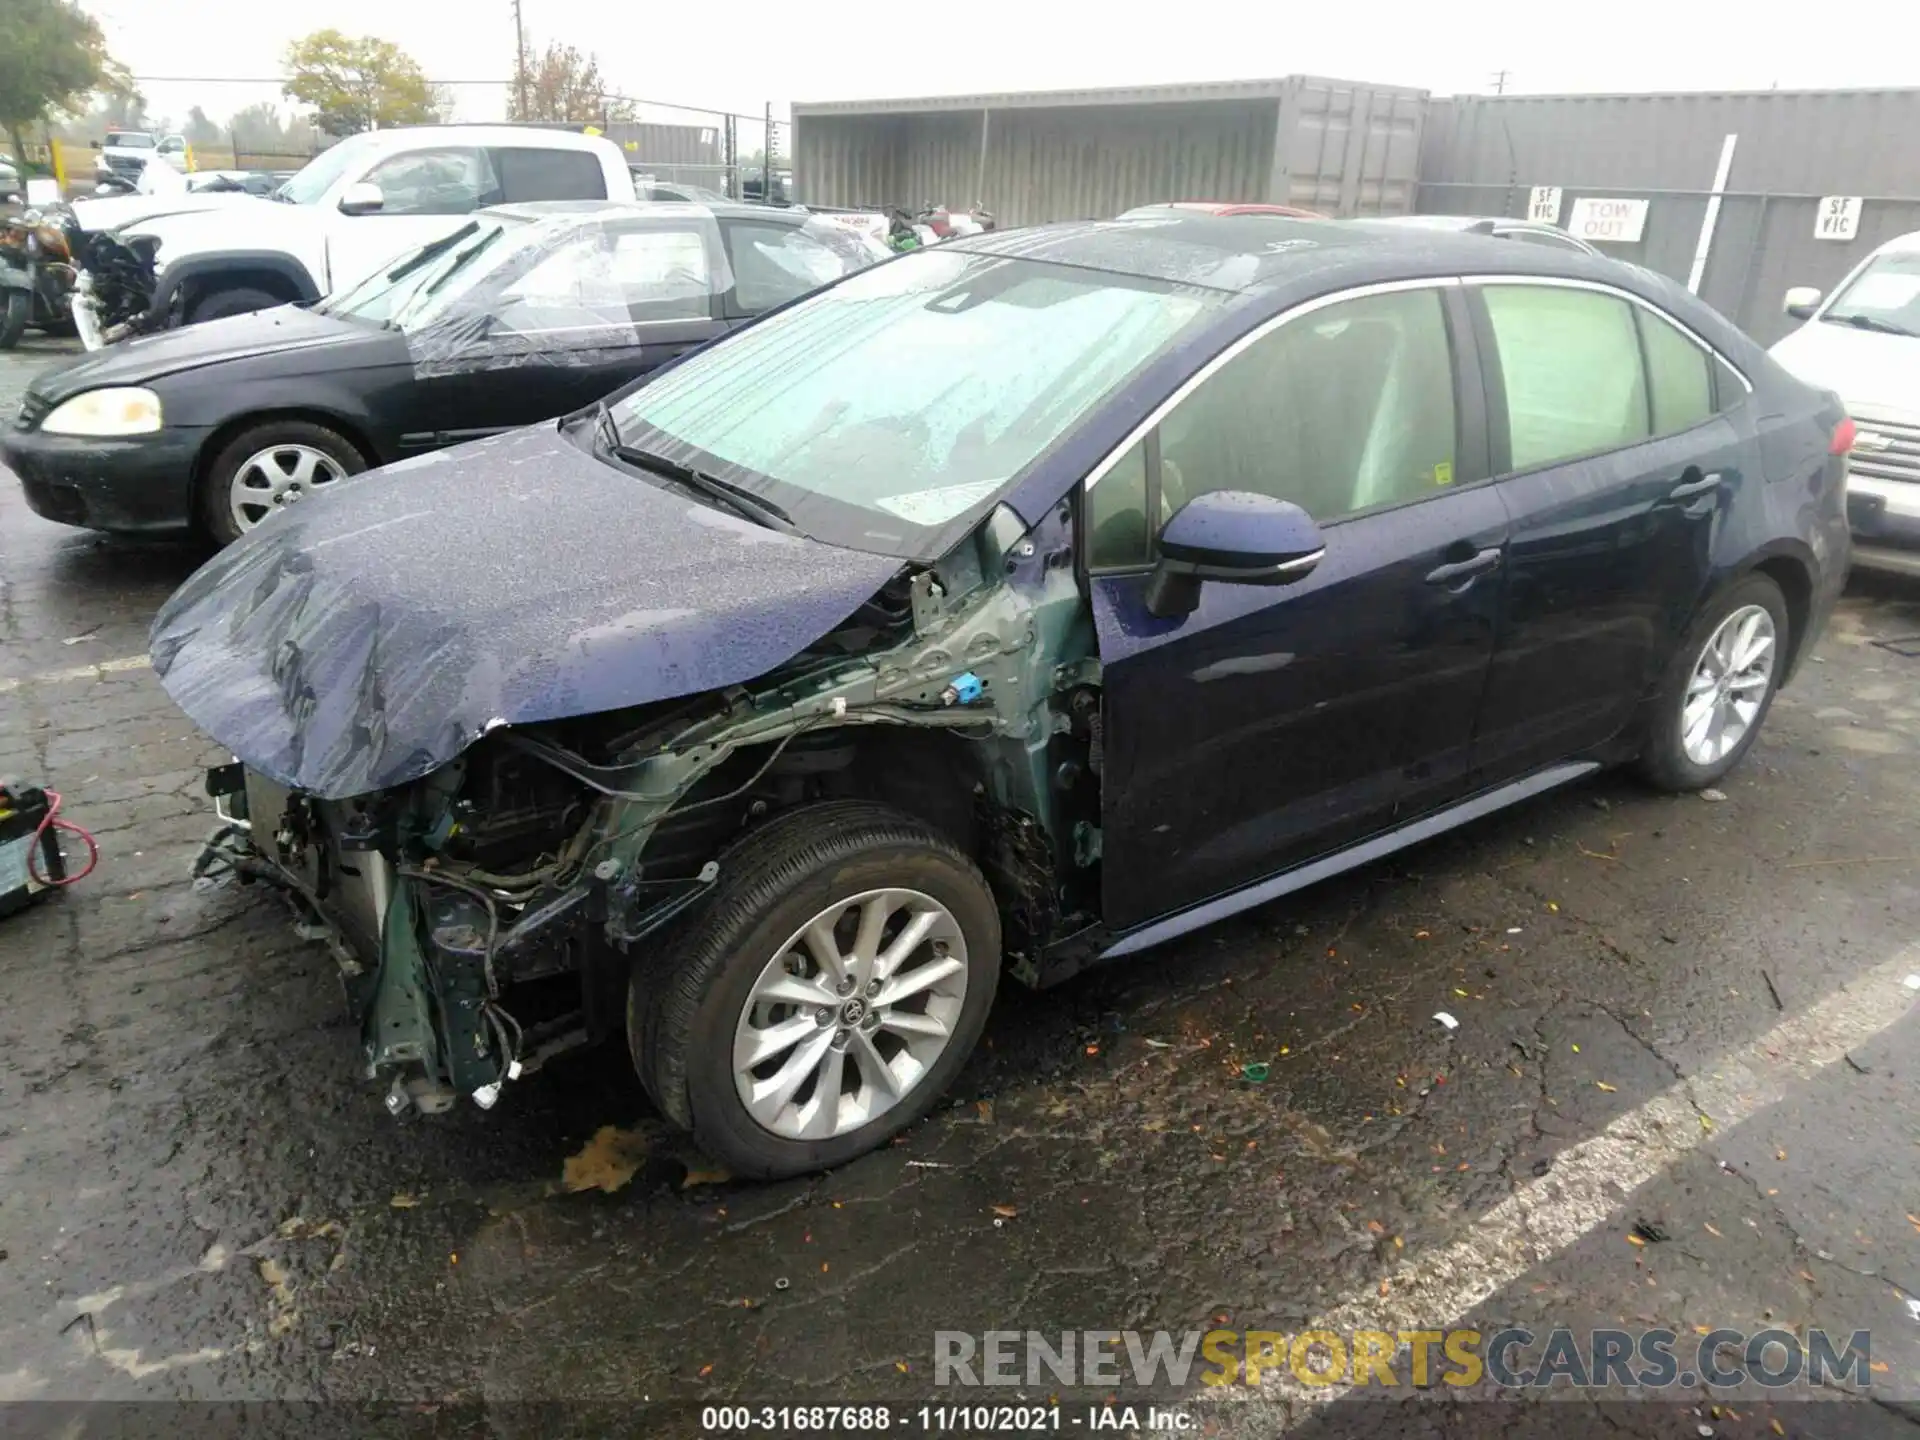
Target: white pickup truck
367, 199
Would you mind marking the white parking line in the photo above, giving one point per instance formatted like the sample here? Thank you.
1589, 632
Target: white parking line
1591, 1181
96, 671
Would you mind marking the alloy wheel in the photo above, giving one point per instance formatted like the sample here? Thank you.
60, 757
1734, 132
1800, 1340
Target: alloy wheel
277, 477
1728, 686
851, 1014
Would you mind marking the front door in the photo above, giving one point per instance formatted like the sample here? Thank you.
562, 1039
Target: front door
1616, 466
1273, 725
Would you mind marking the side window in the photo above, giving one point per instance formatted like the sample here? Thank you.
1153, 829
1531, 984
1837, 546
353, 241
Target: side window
436, 182
549, 175
601, 278
773, 264
1570, 368
1340, 410
1115, 514
1679, 376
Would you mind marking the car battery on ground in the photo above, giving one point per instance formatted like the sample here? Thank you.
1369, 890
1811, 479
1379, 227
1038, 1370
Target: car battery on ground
31, 860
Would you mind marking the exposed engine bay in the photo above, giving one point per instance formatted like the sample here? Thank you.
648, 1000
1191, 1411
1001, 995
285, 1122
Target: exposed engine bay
489, 914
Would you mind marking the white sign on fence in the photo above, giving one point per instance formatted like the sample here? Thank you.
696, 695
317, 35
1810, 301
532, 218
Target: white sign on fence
1543, 204
1838, 217
1609, 222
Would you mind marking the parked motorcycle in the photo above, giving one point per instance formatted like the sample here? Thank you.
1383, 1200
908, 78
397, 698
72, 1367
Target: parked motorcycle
37, 273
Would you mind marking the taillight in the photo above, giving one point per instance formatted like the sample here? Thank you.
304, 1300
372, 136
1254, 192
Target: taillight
1842, 440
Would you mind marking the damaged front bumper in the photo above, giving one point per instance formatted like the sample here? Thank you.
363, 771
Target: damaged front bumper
424, 959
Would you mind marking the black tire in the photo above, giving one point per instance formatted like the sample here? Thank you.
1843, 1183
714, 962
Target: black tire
15, 310
211, 498
1664, 762
683, 1006
231, 300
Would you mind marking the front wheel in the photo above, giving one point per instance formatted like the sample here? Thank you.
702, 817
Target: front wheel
233, 300
824, 995
16, 308
268, 467
1718, 687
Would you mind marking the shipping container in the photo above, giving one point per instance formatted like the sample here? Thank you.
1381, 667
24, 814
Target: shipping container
1341, 147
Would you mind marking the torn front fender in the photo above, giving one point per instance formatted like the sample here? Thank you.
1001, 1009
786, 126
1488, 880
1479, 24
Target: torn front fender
366, 638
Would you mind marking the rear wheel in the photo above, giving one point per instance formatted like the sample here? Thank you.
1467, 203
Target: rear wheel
824, 996
268, 467
1718, 687
233, 300
15, 309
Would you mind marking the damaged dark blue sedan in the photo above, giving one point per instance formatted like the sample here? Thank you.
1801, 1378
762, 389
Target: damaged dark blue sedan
1012, 605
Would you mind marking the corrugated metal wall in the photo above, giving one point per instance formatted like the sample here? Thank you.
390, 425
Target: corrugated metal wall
1481, 155
1344, 148
1041, 164
1349, 149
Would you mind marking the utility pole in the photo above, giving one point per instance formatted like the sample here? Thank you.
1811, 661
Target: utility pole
520, 58
1499, 76
766, 162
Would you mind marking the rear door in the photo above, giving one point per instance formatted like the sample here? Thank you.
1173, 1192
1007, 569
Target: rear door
1614, 464
610, 304
1275, 724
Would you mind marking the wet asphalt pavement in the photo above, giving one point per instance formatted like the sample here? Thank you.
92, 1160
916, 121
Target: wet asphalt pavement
1680, 1014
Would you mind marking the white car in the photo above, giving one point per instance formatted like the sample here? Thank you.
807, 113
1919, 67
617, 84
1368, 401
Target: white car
1863, 341
362, 202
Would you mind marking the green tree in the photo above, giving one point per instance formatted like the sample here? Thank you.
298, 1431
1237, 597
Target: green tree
564, 84
356, 83
199, 130
52, 56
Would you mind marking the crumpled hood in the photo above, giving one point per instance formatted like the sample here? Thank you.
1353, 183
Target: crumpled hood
368, 637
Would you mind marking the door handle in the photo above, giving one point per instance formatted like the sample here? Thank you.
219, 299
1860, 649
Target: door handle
1699, 485
1466, 569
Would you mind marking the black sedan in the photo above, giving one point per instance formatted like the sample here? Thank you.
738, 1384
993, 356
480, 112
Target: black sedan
524, 313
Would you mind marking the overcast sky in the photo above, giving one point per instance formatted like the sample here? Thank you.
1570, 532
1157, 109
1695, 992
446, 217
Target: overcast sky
796, 50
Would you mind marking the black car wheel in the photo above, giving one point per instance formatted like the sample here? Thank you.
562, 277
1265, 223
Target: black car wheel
14, 313
826, 993
268, 467
1718, 687
235, 300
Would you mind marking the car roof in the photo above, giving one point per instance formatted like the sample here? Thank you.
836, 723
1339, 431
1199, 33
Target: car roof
1900, 244
1248, 252
508, 137
1220, 207
638, 210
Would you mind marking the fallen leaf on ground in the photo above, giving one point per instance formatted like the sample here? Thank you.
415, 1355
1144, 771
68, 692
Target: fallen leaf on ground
715, 1176
706, 1370
1610, 1089
404, 1201
1005, 1212
1713, 1232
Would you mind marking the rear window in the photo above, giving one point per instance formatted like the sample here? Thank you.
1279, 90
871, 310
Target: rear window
130, 142
550, 175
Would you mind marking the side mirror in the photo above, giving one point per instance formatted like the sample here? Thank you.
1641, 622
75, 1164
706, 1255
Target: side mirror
1801, 302
1235, 537
363, 197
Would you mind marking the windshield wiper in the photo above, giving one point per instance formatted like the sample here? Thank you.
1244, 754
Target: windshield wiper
439, 247
460, 262
1874, 323
741, 501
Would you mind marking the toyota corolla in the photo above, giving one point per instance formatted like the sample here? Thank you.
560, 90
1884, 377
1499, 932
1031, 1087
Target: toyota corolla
1009, 606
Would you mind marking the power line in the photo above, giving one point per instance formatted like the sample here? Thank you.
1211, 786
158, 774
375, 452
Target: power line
267, 80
